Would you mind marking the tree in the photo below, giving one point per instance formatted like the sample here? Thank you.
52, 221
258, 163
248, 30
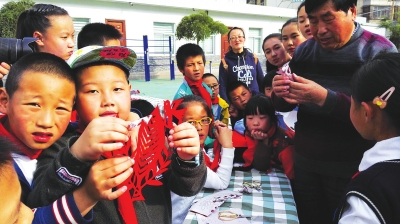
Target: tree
9, 14
199, 26
394, 27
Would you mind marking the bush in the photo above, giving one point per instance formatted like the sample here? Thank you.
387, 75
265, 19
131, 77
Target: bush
9, 14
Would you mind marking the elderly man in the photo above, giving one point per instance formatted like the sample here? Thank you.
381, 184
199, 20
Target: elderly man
328, 148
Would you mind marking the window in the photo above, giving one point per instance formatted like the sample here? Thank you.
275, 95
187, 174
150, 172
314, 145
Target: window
208, 45
254, 40
78, 24
379, 12
160, 44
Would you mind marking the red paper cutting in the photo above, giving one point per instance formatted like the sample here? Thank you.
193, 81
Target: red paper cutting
152, 158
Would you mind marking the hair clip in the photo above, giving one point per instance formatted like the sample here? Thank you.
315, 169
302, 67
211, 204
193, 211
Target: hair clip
381, 101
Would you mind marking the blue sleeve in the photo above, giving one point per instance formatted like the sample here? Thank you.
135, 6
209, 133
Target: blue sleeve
260, 76
239, 127
64, 210
223, 79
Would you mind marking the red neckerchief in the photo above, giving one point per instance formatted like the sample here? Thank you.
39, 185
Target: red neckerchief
215, 100
21, 147
199, 90
217, 157
125, 205
248, 154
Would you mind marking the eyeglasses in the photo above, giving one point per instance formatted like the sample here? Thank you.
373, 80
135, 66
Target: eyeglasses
204, 121
236, 38
214, 87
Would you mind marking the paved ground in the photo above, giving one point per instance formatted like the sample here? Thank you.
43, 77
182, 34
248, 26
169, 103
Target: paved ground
159, 86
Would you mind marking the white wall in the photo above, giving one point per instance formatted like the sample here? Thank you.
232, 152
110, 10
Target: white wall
140, 16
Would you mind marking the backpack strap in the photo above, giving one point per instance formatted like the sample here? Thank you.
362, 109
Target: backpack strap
224, 63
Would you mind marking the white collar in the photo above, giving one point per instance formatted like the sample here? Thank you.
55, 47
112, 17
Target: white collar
387, 149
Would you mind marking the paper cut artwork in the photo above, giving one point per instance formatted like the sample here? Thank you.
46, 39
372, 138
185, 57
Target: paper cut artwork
152, 158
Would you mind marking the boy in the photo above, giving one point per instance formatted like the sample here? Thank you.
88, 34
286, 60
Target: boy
238, 94
36, 115
103, 105
219, 106
12, 210
98, 34
190, 59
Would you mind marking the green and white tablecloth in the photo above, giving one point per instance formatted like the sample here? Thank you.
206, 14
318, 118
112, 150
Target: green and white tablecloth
275, 204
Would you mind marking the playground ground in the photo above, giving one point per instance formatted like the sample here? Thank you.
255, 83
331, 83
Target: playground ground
161, 86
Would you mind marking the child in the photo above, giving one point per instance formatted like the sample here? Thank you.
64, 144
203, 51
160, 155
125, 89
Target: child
238, 94
275, 52
291, 36
287, 120
103, 106
51, 25
303, 21
142, 107
266, 144
12, 210
219, 106
372, 196
239, 64
98, 34
190, 59
36, 115
219, 167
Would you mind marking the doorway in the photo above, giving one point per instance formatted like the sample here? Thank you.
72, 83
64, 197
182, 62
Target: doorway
120, 26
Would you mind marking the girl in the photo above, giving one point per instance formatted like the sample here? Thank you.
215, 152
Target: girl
372, 195
291, 36
51, 25
199, 115
239, 64
265, 144
219, 168
303, 21
274, 52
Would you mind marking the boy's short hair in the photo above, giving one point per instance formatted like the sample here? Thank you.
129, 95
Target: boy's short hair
122, 57
142, 107
206, 75
234, 85
37, 62
267, 80
97, 34
188, 50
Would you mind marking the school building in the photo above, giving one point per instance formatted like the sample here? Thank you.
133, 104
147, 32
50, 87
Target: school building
158, 19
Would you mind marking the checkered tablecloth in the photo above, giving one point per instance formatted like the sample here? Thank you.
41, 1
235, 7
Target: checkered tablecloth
275, 204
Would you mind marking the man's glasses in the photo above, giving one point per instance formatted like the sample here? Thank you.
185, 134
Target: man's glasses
214, 87
202, 122
236, 38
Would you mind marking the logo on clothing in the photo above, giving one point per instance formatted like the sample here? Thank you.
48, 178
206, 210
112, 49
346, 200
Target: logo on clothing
63, 173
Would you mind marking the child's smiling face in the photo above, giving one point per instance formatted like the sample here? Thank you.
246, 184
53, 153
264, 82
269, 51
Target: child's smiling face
40, 109
195, 111
194, 68
102, 90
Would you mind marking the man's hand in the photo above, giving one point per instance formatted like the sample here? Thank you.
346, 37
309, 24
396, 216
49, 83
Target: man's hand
304, 91
185, 139
280, 85
103, 134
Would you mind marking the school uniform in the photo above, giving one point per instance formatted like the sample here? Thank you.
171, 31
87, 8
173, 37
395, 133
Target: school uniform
61, 210
372, 196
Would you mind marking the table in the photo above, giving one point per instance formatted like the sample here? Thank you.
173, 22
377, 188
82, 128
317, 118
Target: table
275, 204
